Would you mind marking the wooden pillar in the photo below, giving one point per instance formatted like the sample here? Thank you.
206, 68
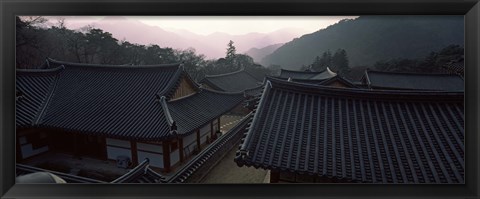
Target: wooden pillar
104, 148
212, 134
133, 148
166, 156
180, 149
75, 145
274, 176
218, 123
198, 140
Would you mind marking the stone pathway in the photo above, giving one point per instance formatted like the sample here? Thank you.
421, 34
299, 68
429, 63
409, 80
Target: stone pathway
227, 171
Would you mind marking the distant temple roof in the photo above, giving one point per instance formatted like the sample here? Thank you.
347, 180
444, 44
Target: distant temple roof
306, 75
197, 110
357, 135
413, 81
455, 67
337, 79
238, 81
116, 101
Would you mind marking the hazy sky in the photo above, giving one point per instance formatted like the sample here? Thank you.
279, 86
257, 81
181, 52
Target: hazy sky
234, 25
241, 24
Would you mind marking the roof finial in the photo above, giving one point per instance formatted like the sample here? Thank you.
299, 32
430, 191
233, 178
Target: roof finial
173, 129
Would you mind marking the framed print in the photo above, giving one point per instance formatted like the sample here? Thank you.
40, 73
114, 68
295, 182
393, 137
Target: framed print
239, 99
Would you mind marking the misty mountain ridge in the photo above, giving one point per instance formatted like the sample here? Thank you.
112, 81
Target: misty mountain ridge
259, 53
368, 39
212, 45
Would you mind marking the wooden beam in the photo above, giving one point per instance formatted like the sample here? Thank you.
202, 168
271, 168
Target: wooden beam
104, 148
180, 149
198, 139
212, 134
75, 145
133, 148
218, 123
166, 156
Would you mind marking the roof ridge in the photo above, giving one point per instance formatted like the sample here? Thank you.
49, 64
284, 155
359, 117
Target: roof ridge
48, 70
225, 74
410, 73
243, 148
338, 77
305, 72
171, 83
172, 65
206, 90
246, 71
47, 100
166, 110
223, 92
368, 93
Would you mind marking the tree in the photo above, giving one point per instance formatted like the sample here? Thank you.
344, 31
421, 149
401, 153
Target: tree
325, 61
316, 65
194, 64
231, 51
340, 62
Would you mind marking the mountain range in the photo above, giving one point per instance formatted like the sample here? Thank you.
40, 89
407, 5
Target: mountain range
212, 46
368, 39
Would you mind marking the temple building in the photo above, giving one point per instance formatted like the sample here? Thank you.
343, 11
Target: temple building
412, 81
154, 112
455, 67
307, 76
309, 133
338, 81
237, 81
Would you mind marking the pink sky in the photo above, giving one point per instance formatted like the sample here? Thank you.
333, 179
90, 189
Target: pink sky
234, 25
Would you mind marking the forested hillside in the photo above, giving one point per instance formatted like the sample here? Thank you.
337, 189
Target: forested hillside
34, 43
369, 39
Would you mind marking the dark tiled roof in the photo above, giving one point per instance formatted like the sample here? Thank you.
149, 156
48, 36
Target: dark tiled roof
254, 91
141, 174
33, 89
339, 79
306, 75
413, 81
232, 82
358, 135
455, 67
116, 101
197, 110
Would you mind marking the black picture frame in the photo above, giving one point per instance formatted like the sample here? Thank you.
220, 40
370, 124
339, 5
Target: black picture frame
10, 8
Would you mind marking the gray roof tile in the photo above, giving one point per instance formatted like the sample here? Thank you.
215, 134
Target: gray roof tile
33, 89
232, 82
357, 135
129, 102
414, 81
307, 75
197, 110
